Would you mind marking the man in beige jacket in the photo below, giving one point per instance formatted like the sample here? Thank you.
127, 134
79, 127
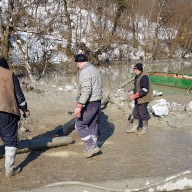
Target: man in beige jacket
11, 100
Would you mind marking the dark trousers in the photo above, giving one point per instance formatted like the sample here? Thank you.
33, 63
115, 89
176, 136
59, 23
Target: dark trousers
9, 129
87, 124
141, 112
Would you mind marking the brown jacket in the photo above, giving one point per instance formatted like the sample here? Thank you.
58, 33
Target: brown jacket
8, 102
147, 98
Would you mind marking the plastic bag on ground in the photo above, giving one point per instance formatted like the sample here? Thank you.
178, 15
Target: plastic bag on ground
188, 107
161, 108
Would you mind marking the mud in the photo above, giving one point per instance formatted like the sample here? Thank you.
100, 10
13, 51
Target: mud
164, 151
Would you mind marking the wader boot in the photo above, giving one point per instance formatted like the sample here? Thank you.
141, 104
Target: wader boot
10, 154
144, 129
134, 127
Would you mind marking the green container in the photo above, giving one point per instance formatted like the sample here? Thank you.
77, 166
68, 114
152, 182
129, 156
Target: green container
171, 81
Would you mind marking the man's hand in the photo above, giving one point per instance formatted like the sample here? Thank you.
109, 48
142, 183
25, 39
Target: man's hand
133, 97
78, 110
26, 113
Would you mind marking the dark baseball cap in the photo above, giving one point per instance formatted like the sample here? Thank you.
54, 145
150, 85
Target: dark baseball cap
81, 58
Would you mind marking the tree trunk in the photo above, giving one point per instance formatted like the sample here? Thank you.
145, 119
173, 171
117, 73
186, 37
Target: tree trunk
39, 144
69, 53
6, 29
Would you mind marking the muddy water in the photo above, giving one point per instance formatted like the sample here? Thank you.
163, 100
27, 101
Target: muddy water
168, 65
114, 76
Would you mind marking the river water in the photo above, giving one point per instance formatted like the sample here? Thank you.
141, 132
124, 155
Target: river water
114, 75
167, 65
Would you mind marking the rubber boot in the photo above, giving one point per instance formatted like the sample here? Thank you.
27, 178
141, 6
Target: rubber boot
134, 127
10, 154
144, 129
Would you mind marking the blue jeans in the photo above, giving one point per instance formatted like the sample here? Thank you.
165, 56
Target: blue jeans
87, 124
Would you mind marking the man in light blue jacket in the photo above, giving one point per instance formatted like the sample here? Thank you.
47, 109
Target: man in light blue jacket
89, 104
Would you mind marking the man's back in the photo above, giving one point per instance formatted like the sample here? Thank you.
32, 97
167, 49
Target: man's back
8, 101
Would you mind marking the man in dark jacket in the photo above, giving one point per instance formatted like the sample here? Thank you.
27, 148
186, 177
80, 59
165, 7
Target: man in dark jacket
89, 104
142, 95
11, 100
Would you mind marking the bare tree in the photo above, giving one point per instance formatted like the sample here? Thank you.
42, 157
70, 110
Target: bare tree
43, 30
6, 27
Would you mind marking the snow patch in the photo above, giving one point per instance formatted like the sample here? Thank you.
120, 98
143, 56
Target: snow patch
179, 185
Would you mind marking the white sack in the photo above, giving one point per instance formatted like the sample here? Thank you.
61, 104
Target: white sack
161, 108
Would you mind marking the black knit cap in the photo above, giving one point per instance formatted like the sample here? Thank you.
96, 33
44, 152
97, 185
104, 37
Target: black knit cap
138, 66
81, 58
3, 63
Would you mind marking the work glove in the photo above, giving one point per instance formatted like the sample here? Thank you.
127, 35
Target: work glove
133, 97
26, 113
78, 110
